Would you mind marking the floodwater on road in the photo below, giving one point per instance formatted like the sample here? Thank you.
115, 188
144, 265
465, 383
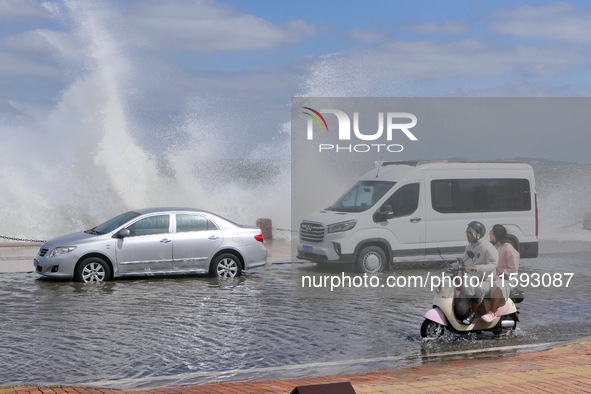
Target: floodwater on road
149, 332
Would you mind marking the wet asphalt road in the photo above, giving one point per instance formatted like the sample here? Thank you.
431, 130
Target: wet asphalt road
185, 330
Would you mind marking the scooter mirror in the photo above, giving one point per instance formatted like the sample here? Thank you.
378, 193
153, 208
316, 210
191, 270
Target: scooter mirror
470, 254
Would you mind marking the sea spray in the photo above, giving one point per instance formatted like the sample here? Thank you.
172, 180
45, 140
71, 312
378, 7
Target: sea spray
90, 156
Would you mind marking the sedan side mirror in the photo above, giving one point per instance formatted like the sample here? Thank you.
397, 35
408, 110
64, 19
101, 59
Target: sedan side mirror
123, 233
384, 213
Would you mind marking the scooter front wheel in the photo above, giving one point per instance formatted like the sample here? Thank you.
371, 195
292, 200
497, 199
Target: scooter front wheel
430, 329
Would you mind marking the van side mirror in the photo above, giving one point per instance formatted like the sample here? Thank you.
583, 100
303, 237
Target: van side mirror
124, 232
384, 213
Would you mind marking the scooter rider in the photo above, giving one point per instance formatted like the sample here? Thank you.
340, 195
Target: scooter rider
483, 263
508, 265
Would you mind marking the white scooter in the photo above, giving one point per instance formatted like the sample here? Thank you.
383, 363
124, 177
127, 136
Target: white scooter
443, 314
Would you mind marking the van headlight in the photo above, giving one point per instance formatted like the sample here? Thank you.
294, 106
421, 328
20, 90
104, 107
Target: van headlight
342, 226
61, 250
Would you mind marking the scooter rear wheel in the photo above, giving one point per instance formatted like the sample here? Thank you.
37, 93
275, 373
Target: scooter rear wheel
430, 329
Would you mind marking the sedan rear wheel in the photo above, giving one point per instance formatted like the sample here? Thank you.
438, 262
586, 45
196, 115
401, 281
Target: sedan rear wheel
226, 265
92, 270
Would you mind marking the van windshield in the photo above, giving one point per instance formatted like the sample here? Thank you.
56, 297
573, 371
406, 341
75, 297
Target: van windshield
362, 196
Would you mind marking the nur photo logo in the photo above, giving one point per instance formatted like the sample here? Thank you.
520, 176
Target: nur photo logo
390, 126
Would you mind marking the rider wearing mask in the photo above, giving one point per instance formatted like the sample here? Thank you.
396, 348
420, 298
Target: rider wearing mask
508, 264
482, 265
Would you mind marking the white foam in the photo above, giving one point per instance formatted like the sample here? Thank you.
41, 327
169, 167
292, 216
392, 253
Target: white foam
73, 166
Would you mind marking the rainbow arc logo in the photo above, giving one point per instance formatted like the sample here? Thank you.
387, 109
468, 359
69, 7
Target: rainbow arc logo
317, 116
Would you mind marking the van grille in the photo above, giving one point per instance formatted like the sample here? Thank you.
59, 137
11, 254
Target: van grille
311, 232
42, 252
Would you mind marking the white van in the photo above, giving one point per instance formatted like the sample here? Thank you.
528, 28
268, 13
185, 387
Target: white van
402, 209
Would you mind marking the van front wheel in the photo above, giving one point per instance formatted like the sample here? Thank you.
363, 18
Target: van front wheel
371, 260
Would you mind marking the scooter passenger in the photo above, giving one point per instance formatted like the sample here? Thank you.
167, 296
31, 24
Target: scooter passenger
508, 264
483, 264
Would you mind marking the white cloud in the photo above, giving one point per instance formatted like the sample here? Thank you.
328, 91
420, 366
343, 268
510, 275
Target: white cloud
22, 9
470, 58
367, 36
39, 52
180, 82
12, 65
41, 42
561, 21
397, 64
448, 28
523, 88
207, 26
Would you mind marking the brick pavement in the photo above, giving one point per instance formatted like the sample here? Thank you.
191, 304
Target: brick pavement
563, 369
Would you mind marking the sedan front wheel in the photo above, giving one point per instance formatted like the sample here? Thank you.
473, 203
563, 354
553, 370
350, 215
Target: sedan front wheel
92, 270
225, 265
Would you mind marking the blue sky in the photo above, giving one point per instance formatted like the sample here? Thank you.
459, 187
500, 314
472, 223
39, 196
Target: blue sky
268, 32
242, 36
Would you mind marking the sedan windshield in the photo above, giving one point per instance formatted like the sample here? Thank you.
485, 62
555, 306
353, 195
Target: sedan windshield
362, 196
114, 223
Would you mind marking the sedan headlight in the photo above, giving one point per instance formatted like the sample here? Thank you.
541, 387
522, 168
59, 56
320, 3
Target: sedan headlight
61, 250
342, 226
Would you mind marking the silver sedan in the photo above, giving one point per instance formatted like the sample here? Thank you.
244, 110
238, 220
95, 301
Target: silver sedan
154, 241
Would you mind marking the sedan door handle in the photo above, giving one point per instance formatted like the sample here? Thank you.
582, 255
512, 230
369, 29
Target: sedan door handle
165, 240
214, 237
415, 220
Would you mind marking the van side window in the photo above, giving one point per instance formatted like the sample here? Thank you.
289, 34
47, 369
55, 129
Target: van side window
405, 200
480, 195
